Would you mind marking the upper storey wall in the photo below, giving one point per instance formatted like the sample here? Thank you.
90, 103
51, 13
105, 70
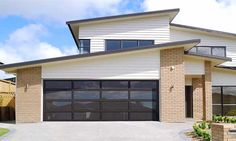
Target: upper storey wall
149, 28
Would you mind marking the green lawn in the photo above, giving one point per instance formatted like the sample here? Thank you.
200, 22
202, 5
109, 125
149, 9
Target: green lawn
3, 131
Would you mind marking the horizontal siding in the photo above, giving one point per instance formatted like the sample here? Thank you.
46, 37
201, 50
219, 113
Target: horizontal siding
152, 28
223, 77
177, 35
194, 66
143, 65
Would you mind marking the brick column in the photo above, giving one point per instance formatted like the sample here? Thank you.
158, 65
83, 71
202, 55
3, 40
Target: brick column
28, 95
197, 84
172, 85
207, 90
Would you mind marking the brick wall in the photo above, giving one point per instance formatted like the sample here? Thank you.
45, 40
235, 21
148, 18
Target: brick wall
172, 100
220, 132
197, 84
28, 95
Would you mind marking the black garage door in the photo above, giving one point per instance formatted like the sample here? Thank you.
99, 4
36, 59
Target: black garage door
76, 100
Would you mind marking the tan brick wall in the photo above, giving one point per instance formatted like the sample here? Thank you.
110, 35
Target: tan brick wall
172, 100
207, 90
28, 100
197, 84
220, 132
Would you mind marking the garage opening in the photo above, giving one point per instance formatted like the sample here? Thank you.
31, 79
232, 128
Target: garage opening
103, 100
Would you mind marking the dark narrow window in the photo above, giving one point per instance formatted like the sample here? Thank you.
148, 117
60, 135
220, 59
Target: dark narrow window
129, 43
143, 43
84, 46
113, 44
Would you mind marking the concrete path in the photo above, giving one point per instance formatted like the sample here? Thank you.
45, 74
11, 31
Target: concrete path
96, 131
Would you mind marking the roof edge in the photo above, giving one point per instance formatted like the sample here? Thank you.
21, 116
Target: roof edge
209, 56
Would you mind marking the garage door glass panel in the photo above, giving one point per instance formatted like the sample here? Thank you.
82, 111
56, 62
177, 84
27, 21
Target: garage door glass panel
141, 116
86, 105
86, 116
86, 85
143, 84
115, 106
58, 116
115, 94
86, 94
115, 84
115, 116
55, 84
58, 106
147, 95
58, 95
142, 106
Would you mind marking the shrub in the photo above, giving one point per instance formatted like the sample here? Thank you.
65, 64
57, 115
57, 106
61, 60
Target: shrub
201, 129
224, 119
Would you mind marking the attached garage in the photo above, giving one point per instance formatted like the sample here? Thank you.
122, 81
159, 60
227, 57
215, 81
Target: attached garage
101, 100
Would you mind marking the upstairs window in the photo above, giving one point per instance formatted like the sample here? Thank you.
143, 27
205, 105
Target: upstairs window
84, 46
119, 44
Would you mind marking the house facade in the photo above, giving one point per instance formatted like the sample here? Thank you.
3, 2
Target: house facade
131, 67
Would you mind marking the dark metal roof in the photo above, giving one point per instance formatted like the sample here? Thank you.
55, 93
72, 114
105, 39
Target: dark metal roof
35, 62
202, 29
226, 67
208, 56
123, 16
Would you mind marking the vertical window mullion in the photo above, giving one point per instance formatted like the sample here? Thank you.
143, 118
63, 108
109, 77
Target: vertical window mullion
222, 101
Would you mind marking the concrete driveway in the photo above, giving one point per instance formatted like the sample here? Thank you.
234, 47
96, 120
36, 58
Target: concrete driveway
96, 131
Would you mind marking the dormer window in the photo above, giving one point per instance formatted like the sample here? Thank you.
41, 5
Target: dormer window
84, 46
119, 44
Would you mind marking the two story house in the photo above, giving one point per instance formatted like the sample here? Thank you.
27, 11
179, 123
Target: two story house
131, 67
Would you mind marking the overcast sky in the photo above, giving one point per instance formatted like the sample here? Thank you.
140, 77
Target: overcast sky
36, 29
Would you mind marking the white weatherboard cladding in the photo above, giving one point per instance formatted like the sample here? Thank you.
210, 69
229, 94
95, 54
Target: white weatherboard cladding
142, 65
151, 28
194, 66
208, 40
223, 77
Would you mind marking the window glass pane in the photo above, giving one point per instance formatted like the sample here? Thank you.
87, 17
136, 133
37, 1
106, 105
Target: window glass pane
58, 106
86, 105
115, 94
86, 116
129, 43
143, 84
217, 110
57, 84
146, 42
84, 50
142, 106
114, 84
218, 51
115, 106
141, 116
216, 95
229, 110
58, 95
113, 44
204, 50
86, 85
58, 116
115, 116
86, 94
229, 95
193, 50
84, 43
143, 95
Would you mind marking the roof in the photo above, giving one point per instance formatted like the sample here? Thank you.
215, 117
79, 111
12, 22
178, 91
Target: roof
203, 29
126, 15
189, 43
208, 56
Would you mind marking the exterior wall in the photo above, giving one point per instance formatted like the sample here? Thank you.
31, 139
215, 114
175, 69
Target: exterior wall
138, 65
229, 77
188, 81
172, 86
220, 132
206, 39
197, 84
149, 28
193, 66
28, 95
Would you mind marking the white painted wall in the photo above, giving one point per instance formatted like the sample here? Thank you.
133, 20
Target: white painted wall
194, 66
206, 39
139, 65
149, 28
223, 77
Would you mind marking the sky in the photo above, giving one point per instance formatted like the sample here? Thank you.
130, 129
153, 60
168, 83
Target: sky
31, 30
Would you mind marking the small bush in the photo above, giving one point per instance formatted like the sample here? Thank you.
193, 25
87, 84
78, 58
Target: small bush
224, 119
201, 129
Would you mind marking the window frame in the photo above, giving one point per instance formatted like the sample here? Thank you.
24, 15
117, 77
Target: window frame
89, 47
